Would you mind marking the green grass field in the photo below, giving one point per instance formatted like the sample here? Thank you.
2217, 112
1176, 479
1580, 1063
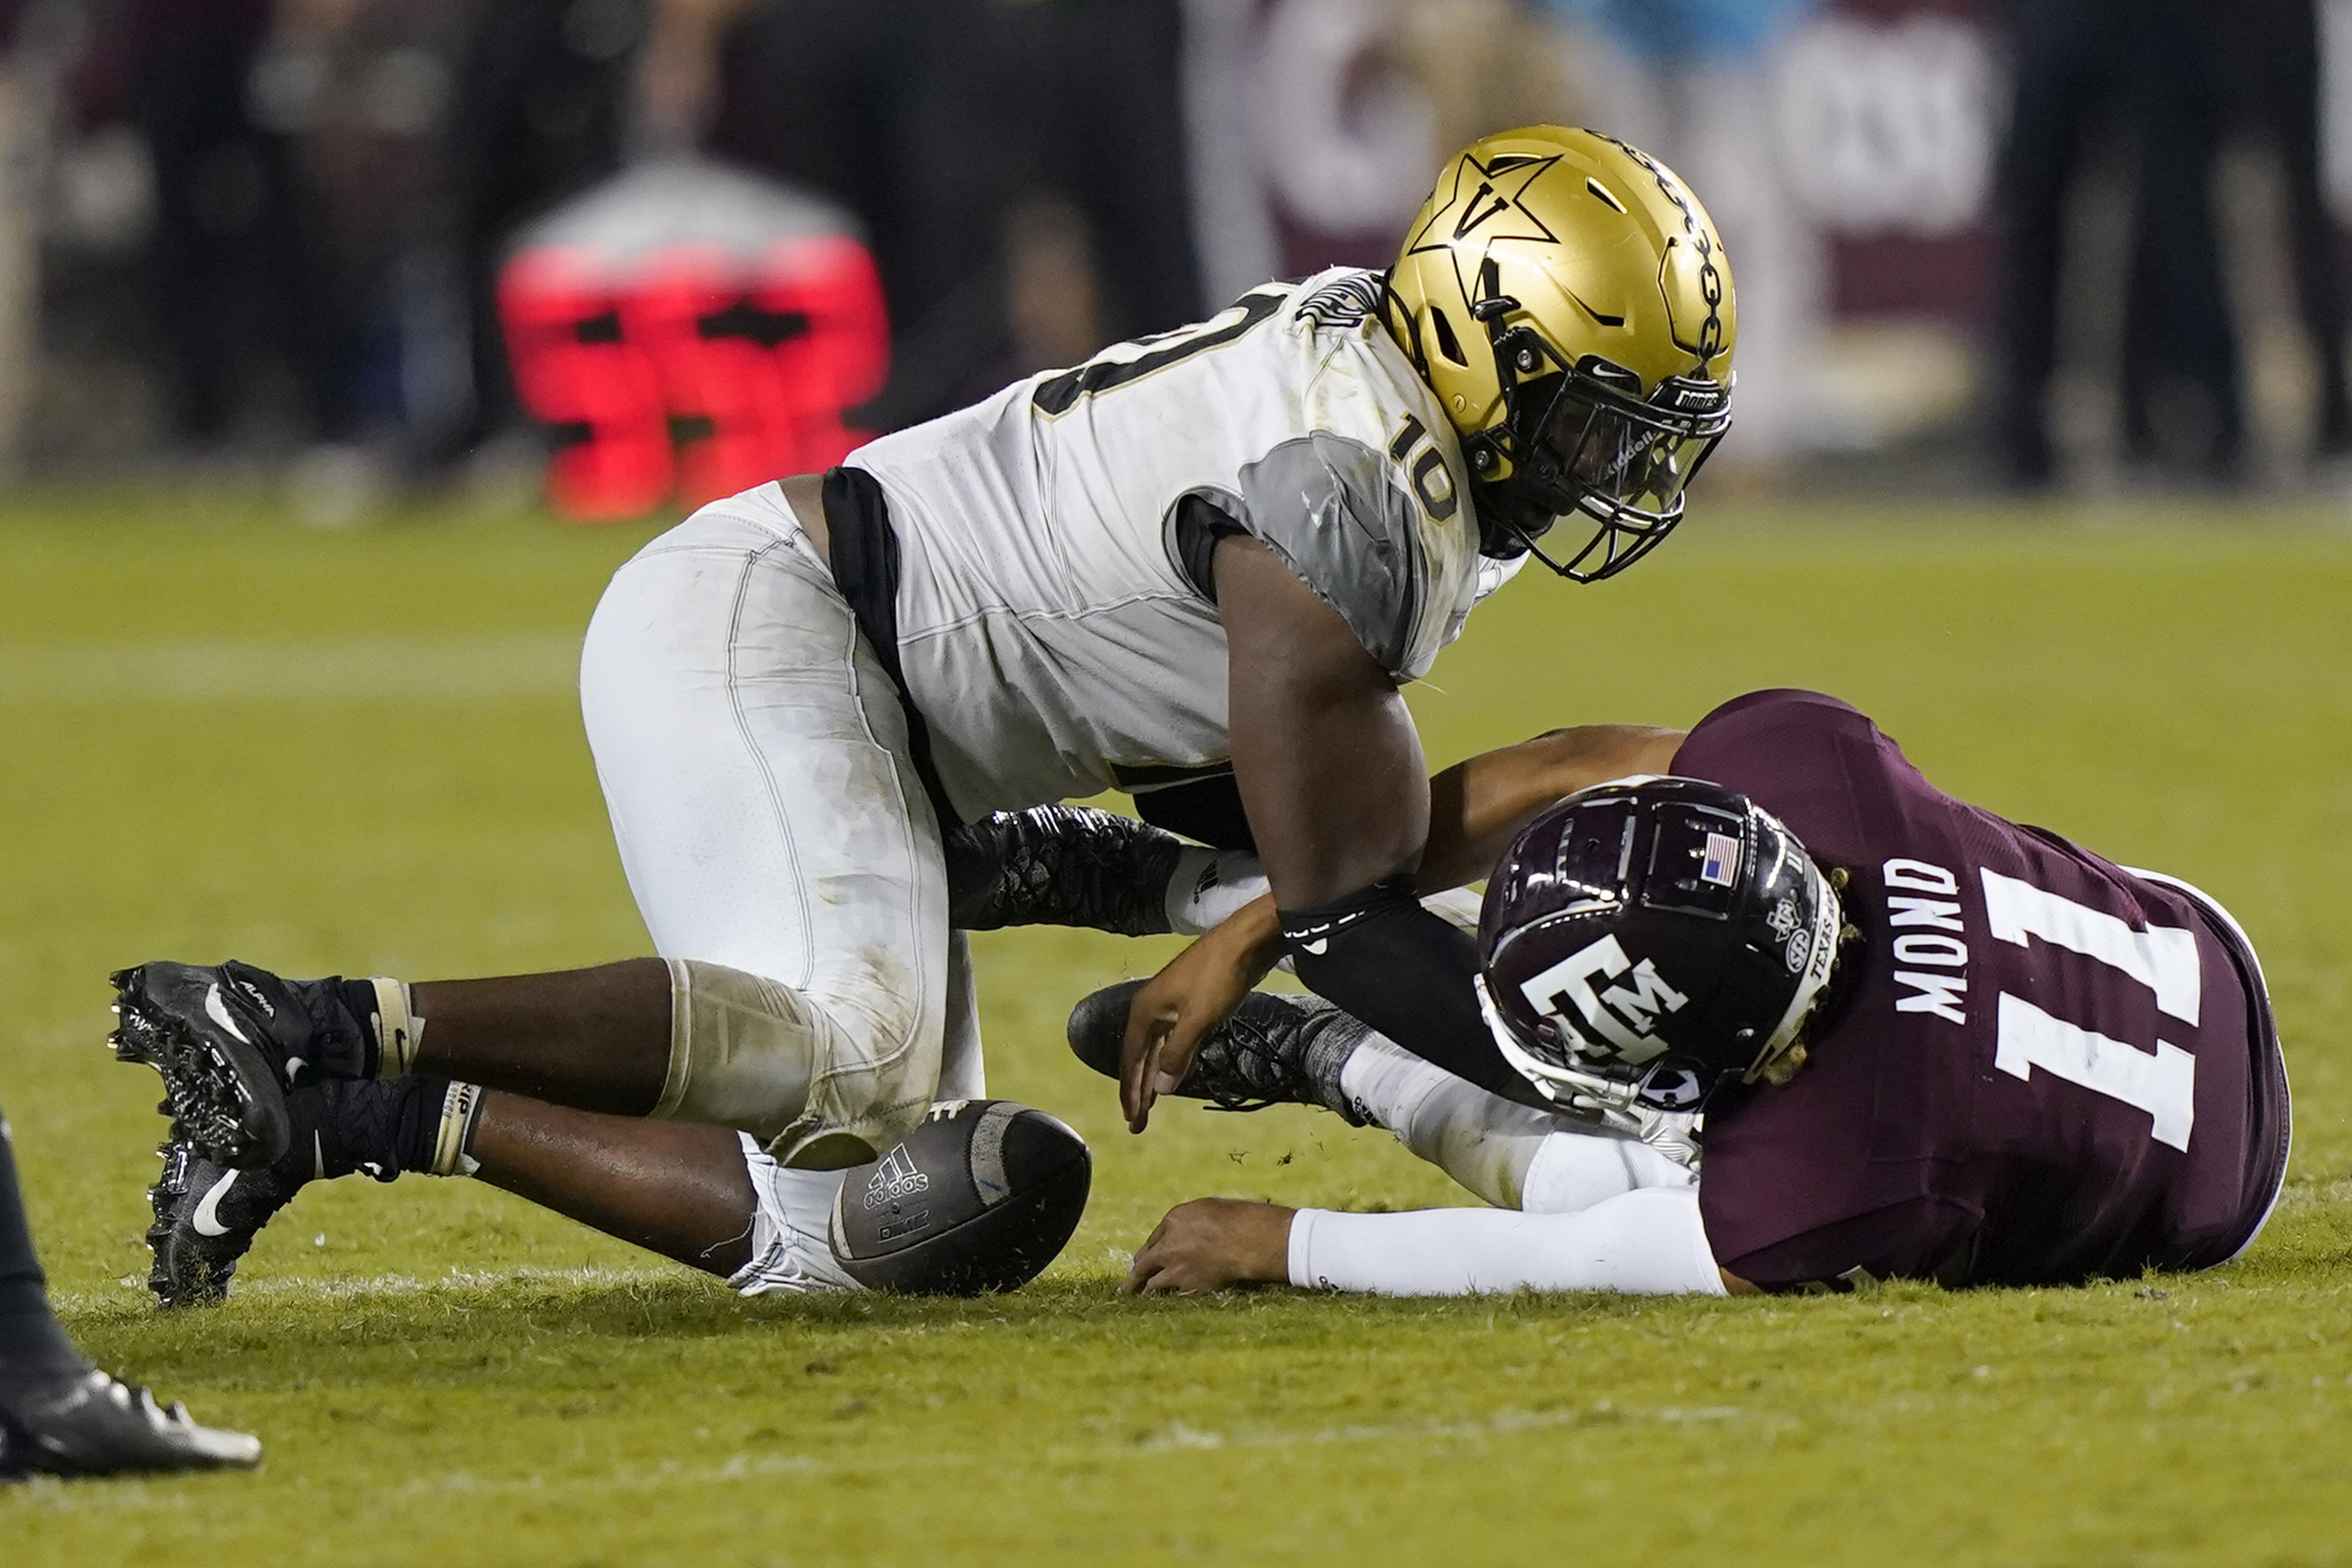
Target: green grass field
223, 734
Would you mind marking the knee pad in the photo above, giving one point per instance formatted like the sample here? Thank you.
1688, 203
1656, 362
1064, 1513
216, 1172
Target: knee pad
754, 1054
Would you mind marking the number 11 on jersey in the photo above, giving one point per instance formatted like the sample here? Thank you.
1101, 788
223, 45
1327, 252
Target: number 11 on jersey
2163, 1085
2162, 958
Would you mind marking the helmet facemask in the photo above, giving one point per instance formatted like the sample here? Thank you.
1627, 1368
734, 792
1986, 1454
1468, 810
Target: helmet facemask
1566, 1077
1580, 439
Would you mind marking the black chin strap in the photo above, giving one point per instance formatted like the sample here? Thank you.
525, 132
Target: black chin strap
1501, 537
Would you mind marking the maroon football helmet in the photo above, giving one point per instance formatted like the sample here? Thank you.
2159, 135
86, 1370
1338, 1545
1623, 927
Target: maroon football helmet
1646, 940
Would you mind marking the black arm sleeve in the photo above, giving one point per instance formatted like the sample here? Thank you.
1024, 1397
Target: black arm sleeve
1406, 972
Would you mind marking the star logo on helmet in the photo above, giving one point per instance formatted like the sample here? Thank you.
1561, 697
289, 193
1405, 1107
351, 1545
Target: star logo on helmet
1486, 203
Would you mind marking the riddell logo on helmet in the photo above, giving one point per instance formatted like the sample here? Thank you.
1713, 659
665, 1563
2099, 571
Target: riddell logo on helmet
895, 1178
1622, 1015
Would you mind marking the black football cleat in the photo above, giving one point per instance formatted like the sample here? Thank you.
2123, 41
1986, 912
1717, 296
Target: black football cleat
1275, 1049
206, 1213
230, 1042
87, 1423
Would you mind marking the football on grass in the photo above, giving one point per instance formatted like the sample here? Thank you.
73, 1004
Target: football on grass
980, 1196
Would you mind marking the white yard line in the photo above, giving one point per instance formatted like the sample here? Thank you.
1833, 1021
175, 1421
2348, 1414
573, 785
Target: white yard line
434, 669
385, 1285
1176, 1437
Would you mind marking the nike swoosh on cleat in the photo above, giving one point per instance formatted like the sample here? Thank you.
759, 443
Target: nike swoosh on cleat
217, 1010
1316, 946
207, 1216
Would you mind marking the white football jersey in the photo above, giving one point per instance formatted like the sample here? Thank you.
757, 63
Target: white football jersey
1051, 633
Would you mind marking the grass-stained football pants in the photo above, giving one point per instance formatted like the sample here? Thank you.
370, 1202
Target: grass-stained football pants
754, 758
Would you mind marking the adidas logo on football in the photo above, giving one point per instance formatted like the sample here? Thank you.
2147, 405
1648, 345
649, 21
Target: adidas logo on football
894, 1178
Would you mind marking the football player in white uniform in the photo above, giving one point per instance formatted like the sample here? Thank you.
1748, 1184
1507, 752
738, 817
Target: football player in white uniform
1198, 566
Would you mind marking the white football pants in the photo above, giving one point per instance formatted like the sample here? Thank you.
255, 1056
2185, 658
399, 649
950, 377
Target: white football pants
753, 755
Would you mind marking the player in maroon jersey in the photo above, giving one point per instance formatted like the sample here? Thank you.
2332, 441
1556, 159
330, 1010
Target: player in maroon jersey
1809, 1022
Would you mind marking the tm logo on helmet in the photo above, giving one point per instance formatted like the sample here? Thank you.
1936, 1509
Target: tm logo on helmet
1636, 1004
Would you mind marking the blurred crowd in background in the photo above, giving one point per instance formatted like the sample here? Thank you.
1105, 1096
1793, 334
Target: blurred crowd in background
2022, 243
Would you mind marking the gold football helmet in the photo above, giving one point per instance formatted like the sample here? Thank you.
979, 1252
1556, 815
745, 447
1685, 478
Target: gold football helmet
1569, 302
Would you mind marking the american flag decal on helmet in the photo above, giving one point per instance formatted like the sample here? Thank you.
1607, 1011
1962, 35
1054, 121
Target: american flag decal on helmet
1721, 865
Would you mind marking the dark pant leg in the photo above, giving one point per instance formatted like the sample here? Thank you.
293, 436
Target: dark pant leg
1105, 124
2318, 277
2063, 87
896, 112
2179, 339
187, 108
538, 117
2271, 50
32, 1344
